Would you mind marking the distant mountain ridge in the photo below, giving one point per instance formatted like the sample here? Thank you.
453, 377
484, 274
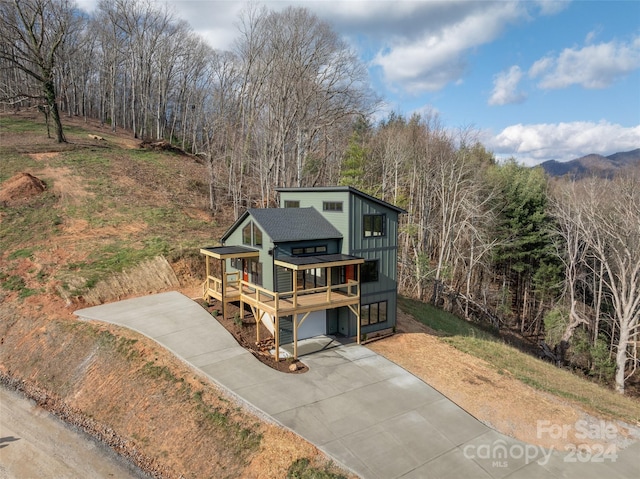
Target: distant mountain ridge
593, 165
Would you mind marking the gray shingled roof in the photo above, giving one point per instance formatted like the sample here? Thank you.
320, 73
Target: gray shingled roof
293, 224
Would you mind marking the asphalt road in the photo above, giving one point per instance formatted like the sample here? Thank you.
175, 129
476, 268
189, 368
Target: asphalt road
36, 444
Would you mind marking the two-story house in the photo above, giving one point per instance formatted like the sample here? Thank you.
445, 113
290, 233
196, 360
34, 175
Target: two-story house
325, 262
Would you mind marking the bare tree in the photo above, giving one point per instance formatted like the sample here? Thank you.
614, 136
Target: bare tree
31, 34
301, 88
616, 244
572, 250
602, 233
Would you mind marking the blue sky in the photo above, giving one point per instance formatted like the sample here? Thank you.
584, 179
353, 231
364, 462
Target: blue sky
537, 80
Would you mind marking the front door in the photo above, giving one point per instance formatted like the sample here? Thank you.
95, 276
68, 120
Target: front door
245, 270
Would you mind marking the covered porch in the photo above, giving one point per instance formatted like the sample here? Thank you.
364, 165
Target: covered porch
340, 288
219, 284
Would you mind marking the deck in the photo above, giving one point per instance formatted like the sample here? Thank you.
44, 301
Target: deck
279, 304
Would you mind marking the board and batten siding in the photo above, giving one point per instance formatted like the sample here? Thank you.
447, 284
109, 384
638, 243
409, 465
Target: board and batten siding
339, 219
382, 248
350, 222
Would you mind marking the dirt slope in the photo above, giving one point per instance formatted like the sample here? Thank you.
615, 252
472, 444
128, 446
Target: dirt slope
134, 396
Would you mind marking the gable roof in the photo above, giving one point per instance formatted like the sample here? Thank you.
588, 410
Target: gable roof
289, 224
349, 189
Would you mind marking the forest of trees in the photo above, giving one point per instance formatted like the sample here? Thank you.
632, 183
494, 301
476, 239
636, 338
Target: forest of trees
501, 244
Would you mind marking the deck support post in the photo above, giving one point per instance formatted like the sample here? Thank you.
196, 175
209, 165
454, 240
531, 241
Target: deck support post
223, 269
295, 336
358, 322
208, 272
276, 334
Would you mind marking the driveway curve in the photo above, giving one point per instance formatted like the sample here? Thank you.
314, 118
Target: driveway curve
365, 412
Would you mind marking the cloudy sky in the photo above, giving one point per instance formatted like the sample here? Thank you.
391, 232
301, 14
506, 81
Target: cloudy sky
540, 79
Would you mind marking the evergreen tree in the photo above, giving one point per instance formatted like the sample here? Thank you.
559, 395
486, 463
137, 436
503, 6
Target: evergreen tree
525, 254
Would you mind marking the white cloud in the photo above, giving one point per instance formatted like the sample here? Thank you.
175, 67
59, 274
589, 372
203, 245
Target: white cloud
552, 7
593, 66
505, 87
436, 57
533, 144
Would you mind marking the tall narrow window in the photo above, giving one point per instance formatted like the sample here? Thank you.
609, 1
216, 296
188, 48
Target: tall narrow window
256, 273
364, 315
246, 235
257, 236
373, 225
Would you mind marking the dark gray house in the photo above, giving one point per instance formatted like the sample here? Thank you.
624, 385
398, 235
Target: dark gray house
325, 262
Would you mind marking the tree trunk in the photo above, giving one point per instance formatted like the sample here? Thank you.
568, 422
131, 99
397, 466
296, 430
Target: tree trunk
50, 94
621, 359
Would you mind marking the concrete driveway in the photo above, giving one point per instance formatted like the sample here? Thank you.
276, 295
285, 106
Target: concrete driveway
365, 412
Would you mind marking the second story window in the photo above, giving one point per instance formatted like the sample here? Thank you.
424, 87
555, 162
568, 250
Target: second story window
373, 225
309, 250
246, 235
257, 236
332, 206
291, 204
370, 271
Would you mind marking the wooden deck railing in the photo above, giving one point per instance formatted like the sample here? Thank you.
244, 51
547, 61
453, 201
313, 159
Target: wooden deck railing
236, 289
315, 297
214, 286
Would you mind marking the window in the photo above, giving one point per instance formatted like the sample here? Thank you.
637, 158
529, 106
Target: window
370, 271
311, 278
236, 263
373, 313
246, 235
257, 236
256, 273
291, 204
332, 206
252, 235
309, 250
373, 225
364, 315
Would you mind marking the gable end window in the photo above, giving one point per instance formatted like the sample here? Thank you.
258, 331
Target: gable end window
332, 206
257, 236
246, 234
373, 225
